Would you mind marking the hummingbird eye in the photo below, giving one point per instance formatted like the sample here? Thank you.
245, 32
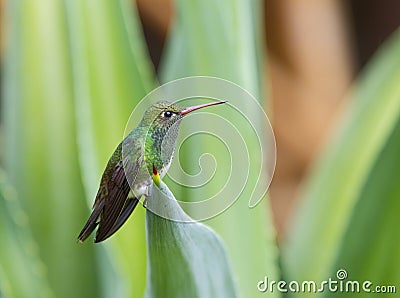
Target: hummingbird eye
167, 114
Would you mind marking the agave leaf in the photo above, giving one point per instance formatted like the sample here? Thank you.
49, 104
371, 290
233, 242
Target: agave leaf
350, 203
185, 259
111, 74
220, 38
40, 153
22, 272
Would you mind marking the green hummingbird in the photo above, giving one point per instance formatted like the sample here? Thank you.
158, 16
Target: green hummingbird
147, 150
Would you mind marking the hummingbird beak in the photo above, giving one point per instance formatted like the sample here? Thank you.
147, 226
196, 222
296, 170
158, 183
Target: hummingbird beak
194, 108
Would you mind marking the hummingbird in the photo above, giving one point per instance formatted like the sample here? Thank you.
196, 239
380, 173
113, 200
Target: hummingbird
147, 151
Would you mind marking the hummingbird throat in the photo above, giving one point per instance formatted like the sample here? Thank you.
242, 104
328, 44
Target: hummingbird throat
160, 147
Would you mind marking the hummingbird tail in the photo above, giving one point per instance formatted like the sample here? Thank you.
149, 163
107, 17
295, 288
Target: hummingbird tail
127, 210
91, 223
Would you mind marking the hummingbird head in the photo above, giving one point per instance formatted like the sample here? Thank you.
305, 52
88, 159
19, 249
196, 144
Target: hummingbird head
161, 122
163, 114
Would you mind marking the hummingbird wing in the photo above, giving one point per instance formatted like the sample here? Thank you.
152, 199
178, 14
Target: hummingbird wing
129, 206
118, 206
112, 206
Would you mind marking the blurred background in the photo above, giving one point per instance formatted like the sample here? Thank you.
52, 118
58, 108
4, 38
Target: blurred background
315, 51
327, 73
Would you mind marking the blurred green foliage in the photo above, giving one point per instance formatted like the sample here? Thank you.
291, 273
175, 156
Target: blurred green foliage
73, 72
41, 153
350, 206
22, 273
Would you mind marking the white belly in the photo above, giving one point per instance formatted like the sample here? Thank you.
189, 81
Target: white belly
143, 182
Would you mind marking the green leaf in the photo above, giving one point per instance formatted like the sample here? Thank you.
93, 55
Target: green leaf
22, 273
111, 74
216, 38
185, 258
40, 153
350, 205
220, 38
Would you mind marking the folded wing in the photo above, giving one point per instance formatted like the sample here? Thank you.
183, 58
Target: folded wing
113, 205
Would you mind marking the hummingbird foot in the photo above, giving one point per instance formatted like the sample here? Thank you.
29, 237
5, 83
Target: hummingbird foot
145, 202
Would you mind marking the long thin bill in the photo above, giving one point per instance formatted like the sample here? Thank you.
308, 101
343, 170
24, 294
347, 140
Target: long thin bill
194, 108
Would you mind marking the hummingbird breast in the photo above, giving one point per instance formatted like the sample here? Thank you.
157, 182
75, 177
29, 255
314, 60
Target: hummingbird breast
150, 146
160, 148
